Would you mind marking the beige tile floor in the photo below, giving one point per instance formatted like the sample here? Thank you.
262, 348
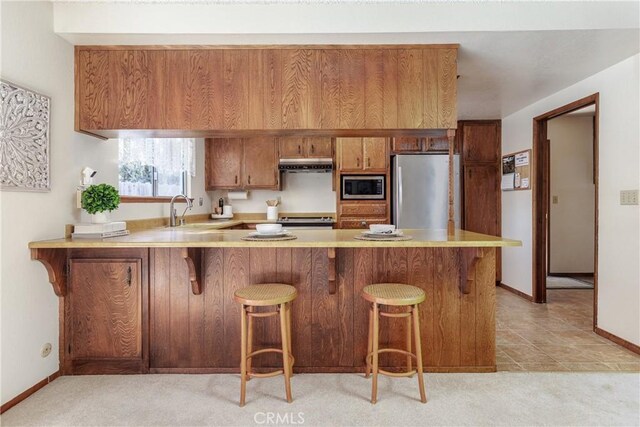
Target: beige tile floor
557, 336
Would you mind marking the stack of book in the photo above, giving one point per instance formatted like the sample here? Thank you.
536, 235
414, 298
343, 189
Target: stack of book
100, 231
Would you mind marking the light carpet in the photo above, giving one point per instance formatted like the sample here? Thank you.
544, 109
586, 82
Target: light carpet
561, 282
503, 398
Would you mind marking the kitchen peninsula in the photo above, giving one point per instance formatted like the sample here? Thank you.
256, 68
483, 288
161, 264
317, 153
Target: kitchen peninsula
161, 300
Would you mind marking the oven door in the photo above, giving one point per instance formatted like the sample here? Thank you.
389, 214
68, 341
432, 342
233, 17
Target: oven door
363, 187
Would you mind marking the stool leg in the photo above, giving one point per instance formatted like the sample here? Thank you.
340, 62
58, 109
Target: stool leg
285, 351
249, 340
416, 331
369, 343
409, 361
289, 333
243, 355
376, 326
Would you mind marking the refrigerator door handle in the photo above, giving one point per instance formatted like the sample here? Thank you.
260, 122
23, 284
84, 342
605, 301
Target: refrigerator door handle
399, 190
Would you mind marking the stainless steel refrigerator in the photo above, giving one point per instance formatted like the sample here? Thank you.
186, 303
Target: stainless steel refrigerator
420, 189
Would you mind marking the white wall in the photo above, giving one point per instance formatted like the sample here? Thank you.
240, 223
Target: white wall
301, 192
34, 57
619, 226
572, 218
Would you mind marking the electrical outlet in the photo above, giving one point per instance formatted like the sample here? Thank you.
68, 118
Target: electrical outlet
45, 350
200, 201
629, 197
555, 200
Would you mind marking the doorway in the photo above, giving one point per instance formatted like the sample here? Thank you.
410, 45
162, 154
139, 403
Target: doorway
543, 198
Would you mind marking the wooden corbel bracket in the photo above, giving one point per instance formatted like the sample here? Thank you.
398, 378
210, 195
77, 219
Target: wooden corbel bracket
193, 258
333, 287
55, 261
469, 258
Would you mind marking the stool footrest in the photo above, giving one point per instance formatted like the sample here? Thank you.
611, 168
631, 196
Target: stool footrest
397, 374
395, 315
266, 374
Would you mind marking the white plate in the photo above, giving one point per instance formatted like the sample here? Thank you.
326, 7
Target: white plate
221, 216
395, 233
280, 233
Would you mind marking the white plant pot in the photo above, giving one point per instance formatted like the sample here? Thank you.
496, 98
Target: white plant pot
100, 217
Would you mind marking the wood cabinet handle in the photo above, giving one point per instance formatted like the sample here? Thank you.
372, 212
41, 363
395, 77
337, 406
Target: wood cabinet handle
299, 149
249, 179
313, 149
358, 161
236, 179
369, 162
129, 278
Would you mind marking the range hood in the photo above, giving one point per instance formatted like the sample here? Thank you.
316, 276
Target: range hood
306, 165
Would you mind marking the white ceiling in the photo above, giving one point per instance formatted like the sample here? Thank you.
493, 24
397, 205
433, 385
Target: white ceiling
511, 53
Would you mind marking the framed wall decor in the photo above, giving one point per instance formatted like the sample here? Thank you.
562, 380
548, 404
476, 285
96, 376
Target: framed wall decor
24, 139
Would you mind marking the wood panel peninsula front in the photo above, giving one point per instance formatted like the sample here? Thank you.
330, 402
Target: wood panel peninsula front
161, 300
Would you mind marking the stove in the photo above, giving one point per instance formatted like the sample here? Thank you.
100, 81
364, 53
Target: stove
308, 223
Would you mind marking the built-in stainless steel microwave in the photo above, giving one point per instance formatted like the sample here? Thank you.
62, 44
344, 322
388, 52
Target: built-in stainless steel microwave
363, 187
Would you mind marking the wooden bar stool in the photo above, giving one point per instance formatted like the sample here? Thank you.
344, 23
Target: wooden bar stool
397, 295
277, 294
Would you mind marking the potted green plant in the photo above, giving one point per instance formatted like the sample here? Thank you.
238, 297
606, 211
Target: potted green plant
99, 199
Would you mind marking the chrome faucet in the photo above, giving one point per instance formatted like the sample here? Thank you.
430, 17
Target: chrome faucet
173, 217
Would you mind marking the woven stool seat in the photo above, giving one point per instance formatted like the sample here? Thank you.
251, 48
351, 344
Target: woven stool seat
266, 294
393, 294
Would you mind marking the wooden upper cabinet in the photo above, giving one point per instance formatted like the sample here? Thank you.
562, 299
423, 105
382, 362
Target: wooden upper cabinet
234, 163
252, 89
362, 154
300, 148
292, 148
375, 154
350, 153
223, 163
406, 144
481, 142
260, 163
318, 147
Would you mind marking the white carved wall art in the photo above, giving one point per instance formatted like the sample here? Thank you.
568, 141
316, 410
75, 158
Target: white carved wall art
24, 139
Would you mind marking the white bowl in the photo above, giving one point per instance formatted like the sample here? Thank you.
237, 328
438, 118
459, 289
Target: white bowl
382, 228
268, 228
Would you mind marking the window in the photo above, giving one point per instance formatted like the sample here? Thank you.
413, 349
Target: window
156, 167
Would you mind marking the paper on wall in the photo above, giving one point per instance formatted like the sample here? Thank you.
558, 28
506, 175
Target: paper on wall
507, 181
522, 159
524, 183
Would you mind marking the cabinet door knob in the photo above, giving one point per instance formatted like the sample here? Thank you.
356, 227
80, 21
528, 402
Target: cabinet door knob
129, 278
364, 223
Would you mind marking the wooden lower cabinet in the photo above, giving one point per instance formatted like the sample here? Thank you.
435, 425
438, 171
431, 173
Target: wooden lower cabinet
105, 313
135, 310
